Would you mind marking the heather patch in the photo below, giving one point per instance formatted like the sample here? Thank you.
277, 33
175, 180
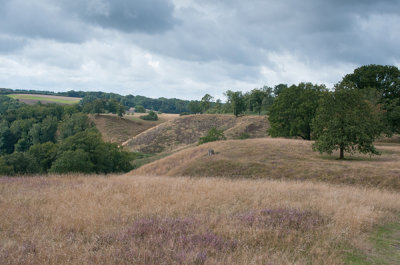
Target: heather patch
163, 241
282, 219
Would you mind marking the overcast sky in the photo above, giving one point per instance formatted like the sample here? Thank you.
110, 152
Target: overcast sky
186, 48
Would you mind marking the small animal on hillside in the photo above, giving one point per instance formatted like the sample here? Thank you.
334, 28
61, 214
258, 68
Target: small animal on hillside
210, 152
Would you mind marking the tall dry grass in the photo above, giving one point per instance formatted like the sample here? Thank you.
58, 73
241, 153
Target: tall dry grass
281, 159
164, 220
186, 130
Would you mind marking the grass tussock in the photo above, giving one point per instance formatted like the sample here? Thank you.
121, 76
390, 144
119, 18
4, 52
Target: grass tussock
163, 220
280, 159
187, 130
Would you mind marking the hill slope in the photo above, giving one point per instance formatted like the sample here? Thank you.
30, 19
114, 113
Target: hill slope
279, 159
117, 130
187, 130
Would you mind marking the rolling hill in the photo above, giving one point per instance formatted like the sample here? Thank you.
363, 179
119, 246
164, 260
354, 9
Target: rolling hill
187, 130
274, 158
119, 130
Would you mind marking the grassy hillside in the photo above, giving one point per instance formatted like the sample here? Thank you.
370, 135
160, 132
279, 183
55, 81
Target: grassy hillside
280, 159
164, 220
118, 130
34, 98
187, 130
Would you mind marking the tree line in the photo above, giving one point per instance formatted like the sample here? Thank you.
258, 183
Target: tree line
361, 107
37, 139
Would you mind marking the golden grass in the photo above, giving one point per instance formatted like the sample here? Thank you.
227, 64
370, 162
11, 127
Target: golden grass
186, 130
280, 159
117, 220
118, 130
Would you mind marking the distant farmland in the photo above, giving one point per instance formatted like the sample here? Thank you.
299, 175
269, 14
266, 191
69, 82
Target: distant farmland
45, 99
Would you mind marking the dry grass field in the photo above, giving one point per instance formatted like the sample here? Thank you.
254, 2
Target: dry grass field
175, 220
186, 130
118, 130
45, 99
280, 159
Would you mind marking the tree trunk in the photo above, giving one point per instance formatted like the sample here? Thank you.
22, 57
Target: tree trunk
341, 153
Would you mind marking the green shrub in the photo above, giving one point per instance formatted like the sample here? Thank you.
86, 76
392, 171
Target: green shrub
184, 113
152, 116
244, 135
140, 109
212, 135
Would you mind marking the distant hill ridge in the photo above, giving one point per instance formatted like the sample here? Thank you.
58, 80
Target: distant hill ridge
187, 130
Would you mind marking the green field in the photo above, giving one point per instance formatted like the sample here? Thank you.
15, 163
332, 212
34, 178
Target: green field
34, 98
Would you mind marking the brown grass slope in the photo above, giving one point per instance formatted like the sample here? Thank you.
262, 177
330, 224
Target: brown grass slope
163, 220
280, 159
118, 130
188, 129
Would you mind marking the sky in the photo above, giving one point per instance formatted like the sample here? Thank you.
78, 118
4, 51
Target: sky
187, 48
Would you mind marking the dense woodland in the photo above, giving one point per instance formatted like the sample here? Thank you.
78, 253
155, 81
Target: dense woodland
54, 138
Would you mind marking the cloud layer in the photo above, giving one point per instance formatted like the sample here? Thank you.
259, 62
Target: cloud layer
186, 48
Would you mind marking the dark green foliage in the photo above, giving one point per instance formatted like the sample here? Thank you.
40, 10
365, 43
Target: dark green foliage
244, 135
140, 109
195, 107
385, 79
294, 109
30, 144
259, 100
7, 103
184, 113
73, 124
236, 102
18, 163
105, 157
212, 135
151, 116
347, 122
73, 161
7, 138
205, 102
43, 155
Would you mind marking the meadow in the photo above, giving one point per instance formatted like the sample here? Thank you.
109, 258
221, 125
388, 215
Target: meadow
34, 98
76, 219
256, 201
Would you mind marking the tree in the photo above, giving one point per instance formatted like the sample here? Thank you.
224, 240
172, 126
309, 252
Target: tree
194, 107
385, 79
152, 116
345, 121
73, 161
212, 135
236, 101
140, 109
293, 110
205, 102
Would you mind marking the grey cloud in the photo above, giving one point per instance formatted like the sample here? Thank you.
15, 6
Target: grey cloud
9, 44
39, 19
150, 16
243, 32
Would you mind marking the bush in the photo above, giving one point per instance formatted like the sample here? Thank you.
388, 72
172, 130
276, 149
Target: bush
244, 135
152, 116
184, 113
140, 109
212, 135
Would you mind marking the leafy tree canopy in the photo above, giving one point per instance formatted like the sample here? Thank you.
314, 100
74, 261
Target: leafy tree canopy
345, 121
212, 135
293, 110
